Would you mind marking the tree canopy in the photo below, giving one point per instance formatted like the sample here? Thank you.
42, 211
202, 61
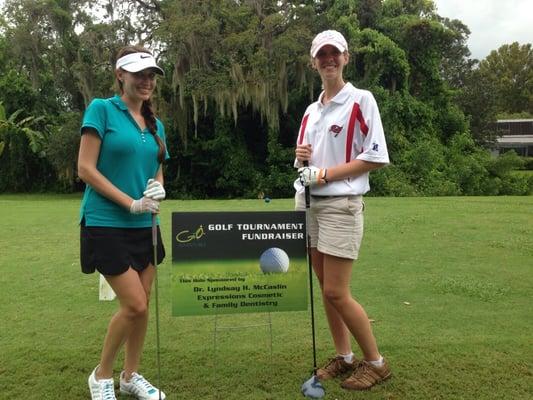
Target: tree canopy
238, 79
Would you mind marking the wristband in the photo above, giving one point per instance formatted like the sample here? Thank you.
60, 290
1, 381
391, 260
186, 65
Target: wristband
325, 174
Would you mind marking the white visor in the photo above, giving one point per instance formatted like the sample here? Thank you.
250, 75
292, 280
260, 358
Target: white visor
136, 62
330, 37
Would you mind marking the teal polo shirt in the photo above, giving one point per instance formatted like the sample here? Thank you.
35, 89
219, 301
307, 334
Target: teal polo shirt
128, 158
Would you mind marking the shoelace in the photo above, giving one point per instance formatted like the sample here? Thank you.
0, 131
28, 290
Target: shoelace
139, 380
361, 370
332, 361
333, 364
108, 391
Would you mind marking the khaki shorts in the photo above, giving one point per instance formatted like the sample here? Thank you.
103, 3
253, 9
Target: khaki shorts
335, 224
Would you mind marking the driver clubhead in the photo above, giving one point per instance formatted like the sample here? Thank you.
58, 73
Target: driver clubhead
313, 389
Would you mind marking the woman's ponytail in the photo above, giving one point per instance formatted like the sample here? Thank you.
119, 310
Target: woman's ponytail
151, 124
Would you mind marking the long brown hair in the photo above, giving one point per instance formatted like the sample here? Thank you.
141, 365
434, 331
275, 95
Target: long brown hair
146, 109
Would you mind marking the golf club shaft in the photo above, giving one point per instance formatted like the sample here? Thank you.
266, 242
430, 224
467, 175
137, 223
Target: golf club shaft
158, 355
309, 262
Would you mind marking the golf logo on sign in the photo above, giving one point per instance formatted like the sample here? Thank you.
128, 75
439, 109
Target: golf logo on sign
187, 236
238, 262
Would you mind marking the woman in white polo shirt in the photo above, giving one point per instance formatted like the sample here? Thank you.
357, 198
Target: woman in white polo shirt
341, 137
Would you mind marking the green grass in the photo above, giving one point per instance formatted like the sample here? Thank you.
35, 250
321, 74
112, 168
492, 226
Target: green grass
527, 173
448, 282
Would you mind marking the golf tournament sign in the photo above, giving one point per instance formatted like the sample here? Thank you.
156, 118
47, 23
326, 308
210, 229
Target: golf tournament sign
238, 262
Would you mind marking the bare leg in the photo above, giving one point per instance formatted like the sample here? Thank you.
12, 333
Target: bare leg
135, 341
133, 307
339, 332
336, 290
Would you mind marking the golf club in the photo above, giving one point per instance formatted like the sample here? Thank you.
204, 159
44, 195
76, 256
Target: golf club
311, 388
156, 283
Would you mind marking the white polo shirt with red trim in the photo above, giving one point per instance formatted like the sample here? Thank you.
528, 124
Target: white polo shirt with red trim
346, 128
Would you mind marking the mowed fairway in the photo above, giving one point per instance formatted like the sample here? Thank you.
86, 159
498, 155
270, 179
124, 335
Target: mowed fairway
447, 281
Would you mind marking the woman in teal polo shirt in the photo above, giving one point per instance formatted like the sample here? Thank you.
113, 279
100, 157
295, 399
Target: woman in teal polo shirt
121, 154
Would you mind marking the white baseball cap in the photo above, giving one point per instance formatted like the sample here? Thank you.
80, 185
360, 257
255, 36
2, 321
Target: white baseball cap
136, 62
330, 37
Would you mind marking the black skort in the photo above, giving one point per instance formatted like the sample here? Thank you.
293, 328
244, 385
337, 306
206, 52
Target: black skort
111, 251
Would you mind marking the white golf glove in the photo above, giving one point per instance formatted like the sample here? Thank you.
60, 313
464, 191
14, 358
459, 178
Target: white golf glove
154, 190
311, 176
144, 205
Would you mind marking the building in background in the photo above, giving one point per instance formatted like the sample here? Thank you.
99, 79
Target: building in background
514, 134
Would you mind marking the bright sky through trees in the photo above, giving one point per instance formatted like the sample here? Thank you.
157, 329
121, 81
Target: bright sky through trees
492, 23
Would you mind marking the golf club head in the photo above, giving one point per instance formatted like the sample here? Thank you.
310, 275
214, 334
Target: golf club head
313, 389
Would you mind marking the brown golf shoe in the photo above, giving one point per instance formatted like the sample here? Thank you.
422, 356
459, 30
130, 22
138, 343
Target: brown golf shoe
335, 367
366, 375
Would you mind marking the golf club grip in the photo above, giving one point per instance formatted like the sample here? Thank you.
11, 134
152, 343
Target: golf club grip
307, 191
154, 230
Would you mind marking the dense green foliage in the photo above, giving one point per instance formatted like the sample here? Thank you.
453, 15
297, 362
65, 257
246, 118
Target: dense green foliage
238, 80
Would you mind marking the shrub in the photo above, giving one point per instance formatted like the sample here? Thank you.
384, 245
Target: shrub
61, 150
467, 166
505, 163
390, 181
517, 185
528, 163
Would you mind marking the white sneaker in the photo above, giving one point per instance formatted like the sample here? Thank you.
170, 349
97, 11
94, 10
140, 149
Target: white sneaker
138, 386
101, 389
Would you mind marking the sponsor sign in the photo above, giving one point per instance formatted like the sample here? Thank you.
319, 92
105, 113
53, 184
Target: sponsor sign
238, 262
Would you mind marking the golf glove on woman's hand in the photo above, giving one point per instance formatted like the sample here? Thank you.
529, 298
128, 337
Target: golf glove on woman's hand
144, 205
154, 190
310, 176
